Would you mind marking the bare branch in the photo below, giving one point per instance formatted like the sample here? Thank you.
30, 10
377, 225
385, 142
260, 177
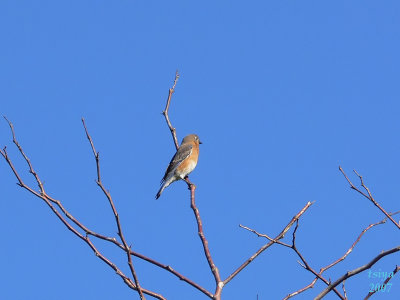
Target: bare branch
165, 112
266, 246
356, 271
311, 285
352, 246
302, 263
213, 267
306, 265
108, 195
172, 271
265, 236
368, 195
39, 182
344, 290
322, 270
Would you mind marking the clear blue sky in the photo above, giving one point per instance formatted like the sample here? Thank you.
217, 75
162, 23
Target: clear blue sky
280, 92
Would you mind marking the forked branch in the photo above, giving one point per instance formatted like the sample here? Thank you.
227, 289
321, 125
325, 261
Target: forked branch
272, 241
322, 270
367, 194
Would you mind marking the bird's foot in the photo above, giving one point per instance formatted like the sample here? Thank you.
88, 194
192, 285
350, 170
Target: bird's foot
189, 183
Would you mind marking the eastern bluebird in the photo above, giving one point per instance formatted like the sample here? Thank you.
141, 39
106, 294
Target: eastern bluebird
183, 162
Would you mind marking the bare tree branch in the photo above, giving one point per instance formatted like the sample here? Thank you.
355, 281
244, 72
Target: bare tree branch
266, 246
165, 112
322, 270
108, 195
172, 271
265, 236
303, 262
368, 195
344, 290
213, 267
356, 271
306, 264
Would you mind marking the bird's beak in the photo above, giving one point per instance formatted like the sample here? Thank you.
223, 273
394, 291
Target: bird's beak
200, 142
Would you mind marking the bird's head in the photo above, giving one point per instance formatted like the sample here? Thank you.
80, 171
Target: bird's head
191, 138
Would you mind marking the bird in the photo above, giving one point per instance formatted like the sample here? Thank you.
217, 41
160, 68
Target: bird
182, 163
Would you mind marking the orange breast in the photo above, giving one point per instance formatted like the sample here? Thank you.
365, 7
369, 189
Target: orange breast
189, 163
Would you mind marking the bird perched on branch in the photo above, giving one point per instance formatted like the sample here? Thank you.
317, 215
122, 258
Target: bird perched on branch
183, 162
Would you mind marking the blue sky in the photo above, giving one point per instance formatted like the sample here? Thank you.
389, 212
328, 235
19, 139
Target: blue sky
280, 92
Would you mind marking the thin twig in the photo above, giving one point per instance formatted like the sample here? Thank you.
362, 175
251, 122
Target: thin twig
353, 245
265, 236
344, 290
108, 195
31, 170
165, 112
311, 285
368, 195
